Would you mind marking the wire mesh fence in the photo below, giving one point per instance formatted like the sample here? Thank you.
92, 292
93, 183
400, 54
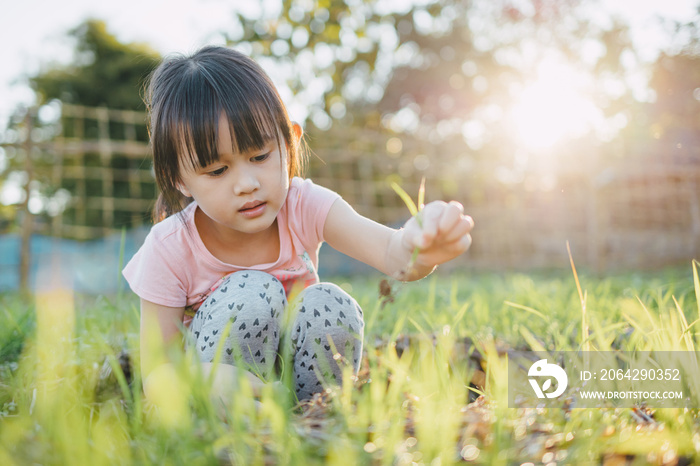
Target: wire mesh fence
631, 213
101, 158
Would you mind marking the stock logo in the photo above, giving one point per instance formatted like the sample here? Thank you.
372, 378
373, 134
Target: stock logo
542, 369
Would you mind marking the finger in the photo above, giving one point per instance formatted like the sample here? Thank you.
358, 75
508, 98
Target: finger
430, 218
446, 252
465, 242
451, 215
471, 222
462, 227
459, 246
412, 234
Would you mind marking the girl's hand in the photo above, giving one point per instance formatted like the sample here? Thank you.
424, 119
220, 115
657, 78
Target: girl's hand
442, 235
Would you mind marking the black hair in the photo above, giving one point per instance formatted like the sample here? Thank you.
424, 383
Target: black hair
187, 95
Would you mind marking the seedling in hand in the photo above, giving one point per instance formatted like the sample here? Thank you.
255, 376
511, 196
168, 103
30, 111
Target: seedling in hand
385, 287
416, 213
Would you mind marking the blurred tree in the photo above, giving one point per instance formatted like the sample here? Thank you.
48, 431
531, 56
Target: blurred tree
675, 114
104, 72
668, 123
348, 39
446, 71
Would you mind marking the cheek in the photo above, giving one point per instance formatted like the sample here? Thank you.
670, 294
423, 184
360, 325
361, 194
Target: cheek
284, 168
284, 180
285, 159
284, 174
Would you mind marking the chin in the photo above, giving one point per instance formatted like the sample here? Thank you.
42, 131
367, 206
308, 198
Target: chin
257, 225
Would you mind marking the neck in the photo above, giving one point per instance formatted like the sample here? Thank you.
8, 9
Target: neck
235, 247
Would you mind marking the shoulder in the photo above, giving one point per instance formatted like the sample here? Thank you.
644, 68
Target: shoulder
298, 185
175, 224
307, 208
171, 234
167, 228
160, 270
305, 190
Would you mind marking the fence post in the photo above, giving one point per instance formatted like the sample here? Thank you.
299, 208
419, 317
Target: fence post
27, 216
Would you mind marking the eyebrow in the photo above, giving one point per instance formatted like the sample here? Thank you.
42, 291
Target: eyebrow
246, 154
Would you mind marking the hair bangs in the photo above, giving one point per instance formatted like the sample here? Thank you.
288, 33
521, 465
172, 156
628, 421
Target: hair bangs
196, 120
255, 115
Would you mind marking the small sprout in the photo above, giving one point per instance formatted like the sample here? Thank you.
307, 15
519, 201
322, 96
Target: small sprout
412, 207
405, 198
385, 287
415, 212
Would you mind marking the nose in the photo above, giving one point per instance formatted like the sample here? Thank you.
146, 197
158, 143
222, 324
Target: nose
245, 181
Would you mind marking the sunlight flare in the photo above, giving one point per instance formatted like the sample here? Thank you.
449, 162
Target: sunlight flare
553, 108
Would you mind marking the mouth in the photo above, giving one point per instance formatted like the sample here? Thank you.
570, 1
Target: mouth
253, 208
250, 205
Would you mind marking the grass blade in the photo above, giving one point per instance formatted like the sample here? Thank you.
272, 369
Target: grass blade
534, 344
584, 319
696, 284
421, 194
460, 314
418, 327
685, 327
405, 198
527, 309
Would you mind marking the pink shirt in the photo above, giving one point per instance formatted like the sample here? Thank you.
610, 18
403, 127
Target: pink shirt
173, 267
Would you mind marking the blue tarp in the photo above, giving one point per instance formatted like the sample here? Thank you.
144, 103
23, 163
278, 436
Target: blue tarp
94, 266
85, 266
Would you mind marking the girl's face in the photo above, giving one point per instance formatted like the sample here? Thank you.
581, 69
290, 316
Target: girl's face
241, 192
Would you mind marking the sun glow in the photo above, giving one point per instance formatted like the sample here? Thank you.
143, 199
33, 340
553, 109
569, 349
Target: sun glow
554, 108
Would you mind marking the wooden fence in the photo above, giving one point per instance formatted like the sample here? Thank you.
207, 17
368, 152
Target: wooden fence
642, 214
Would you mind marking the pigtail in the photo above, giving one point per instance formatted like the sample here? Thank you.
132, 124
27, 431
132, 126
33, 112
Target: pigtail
166, 206
160, 210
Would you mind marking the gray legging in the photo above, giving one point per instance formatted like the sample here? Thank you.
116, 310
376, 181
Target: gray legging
328, 321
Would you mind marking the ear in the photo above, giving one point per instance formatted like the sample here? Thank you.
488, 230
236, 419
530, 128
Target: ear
297, 132
183, 190
293, 165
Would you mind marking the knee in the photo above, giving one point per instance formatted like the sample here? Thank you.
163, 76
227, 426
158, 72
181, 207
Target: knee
328, 292
332, 299
326, 310
245, 293
255, 289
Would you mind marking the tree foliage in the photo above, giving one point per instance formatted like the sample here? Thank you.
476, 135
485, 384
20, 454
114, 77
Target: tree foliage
105, 72
675, 80
669, 122
444, 71
417, 50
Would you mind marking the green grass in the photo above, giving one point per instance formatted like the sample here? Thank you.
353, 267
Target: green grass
65, 399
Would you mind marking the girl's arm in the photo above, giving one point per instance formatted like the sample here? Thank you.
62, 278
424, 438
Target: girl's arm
442, 236
160, 334
159, 331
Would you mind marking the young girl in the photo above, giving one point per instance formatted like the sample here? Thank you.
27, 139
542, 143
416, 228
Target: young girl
238, 230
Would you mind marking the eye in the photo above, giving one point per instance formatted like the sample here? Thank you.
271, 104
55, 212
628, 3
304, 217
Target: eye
260, 158
217, 172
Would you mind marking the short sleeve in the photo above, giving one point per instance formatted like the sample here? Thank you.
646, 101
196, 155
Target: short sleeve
311, 207
155, 273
